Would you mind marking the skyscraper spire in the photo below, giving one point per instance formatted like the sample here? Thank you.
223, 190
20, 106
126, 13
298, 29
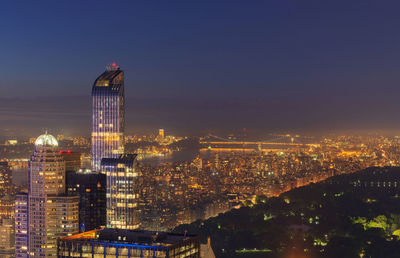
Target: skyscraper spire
112, 67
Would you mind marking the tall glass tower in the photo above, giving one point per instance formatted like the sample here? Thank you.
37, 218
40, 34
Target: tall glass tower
108, 116
122, 191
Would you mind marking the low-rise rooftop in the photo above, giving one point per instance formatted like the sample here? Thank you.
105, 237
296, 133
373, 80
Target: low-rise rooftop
132, 237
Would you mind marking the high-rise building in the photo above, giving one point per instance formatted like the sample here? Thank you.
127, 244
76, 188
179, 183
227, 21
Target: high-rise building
46, 169
108, 118
5, 178
123, 243
122, 191
50, 213
72, 160
91, 188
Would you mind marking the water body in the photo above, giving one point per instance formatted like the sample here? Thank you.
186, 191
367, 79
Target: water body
177, 156
186, 155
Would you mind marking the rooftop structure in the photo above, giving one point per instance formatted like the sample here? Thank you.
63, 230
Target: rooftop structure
46, 140
129, 243
72, 160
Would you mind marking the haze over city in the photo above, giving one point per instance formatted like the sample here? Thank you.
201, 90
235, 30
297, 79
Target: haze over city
193, 68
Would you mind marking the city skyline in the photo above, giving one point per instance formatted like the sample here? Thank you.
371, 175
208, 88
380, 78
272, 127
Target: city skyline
200, 129
284, 66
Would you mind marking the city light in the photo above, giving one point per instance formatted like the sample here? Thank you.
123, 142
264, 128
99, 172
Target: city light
202, 130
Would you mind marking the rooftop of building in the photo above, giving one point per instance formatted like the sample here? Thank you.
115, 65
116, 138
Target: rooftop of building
46, 140
21, 193
132, 237
109, 75
62, 198
70, 152
126, 159
106, 78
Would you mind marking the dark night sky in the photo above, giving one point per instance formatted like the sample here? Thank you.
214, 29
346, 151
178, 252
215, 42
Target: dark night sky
199, 66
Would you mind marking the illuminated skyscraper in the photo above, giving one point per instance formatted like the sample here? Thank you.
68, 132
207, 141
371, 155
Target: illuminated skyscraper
108, 116
46, 168
49, 213
122, 191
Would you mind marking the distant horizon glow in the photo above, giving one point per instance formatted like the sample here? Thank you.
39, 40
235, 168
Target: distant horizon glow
307, 67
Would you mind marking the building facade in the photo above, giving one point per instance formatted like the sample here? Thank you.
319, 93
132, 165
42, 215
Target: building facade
7, 236
21, 225
108, 117
91, 188
119, 243
122, 191
62, 214
7, 206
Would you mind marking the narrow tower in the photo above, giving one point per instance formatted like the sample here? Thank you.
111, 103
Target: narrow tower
108, 117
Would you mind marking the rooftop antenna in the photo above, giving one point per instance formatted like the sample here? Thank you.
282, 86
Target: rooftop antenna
46, 130
112, 67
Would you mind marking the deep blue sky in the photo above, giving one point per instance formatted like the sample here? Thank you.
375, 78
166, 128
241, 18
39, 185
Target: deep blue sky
199, 66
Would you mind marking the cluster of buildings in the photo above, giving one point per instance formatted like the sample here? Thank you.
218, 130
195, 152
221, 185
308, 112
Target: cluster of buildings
161, 138
217, 180
67, 212
159, 197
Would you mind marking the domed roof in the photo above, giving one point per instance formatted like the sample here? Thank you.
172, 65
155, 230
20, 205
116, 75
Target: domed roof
46, 140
